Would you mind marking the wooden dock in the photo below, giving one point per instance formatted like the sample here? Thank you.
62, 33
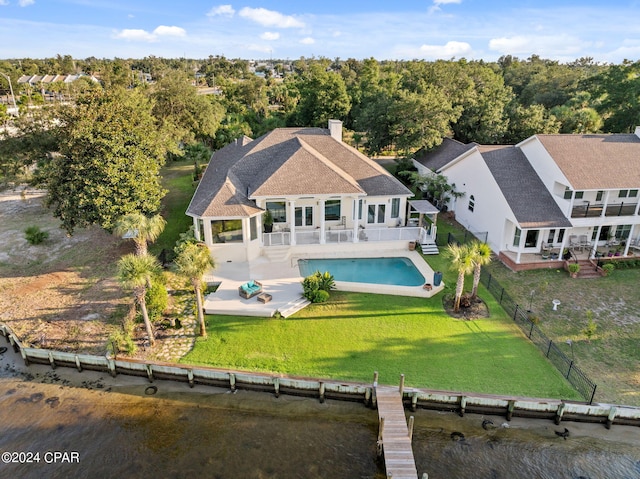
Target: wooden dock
394, 436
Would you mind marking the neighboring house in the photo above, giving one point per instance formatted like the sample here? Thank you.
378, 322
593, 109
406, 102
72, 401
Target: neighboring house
546, 194
319, 191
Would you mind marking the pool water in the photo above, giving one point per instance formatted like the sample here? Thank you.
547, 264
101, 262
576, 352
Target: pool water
396, 271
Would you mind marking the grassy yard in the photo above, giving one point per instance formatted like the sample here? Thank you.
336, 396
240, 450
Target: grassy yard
355, 334
612, 357
177, 179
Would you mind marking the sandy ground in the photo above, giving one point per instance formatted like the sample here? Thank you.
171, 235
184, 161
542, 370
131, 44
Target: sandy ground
60, 294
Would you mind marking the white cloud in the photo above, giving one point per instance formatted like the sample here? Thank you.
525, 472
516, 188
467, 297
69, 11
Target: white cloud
544, 45
307, 41
269, 18
270, 36
437, 3
4, 2
222, 10
164, 30
138, 35
26, 3
448, 50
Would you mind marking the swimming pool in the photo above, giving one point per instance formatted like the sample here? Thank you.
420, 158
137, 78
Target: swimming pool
397, 271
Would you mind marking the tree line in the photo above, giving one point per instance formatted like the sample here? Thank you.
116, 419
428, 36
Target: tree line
99, 153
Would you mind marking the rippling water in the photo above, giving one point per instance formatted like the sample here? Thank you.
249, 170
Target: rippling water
119, 431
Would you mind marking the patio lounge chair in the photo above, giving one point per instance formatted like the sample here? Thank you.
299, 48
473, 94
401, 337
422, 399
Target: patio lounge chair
250, 289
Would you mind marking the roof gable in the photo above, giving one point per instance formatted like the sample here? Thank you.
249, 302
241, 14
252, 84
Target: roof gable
287, 162
295, 168
522, 188
593, 162
439, 157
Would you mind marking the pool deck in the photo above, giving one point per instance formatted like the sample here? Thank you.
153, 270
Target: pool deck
282, 280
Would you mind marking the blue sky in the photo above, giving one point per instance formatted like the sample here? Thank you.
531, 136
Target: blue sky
563, 30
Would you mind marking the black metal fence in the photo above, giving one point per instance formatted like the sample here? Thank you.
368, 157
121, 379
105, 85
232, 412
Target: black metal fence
578, 379
466, 237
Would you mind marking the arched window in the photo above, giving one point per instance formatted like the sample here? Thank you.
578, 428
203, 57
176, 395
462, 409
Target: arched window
472, 203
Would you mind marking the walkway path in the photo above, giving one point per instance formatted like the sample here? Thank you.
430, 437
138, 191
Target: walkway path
396, 442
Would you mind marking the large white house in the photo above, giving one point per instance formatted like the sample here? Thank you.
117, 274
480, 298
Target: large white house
320, 192
547, 194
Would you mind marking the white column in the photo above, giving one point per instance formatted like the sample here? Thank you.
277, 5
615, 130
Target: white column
519, 253
321, 215
355, 219
206, 224
605, 203
292, 222
628, 242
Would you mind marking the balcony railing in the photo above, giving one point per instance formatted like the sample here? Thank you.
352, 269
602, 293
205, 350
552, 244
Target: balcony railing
336, 236
593, 211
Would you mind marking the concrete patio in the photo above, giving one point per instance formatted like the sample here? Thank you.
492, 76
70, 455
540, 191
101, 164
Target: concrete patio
279, 279
282, 280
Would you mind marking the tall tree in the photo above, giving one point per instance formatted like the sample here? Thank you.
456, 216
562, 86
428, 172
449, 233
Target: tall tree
110, 154
461, 257
619, 92
140, 228
192, 262
323, 96
135, 272
481, 256
182, 112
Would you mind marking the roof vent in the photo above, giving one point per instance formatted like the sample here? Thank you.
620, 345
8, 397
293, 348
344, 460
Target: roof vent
335, 129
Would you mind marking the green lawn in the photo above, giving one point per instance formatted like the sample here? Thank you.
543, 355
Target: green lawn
177, 179
355, 334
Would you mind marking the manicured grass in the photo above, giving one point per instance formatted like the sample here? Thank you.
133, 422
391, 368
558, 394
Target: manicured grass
177, 179
355, 334
612, 357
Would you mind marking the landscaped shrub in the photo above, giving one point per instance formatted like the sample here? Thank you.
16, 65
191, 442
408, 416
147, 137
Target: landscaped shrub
157, 298
608, 269
316, 286
121, 342
35, 235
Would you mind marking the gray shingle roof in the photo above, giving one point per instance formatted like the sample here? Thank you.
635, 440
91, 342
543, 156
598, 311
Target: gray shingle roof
596, 162
443, 154
523, 189
287, 161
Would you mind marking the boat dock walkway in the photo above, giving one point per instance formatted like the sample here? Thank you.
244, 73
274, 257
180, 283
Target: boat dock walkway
394, 437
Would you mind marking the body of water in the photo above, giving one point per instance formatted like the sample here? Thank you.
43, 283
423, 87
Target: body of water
396, 271
119, 427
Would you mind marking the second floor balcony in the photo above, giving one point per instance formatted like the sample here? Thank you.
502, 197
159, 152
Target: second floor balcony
595, 210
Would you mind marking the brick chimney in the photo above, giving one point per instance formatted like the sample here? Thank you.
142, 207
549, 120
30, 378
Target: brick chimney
335, 129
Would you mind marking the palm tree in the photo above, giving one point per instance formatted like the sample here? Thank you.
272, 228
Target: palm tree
135, 272
192, 262
140, 228
461, 257
481, 257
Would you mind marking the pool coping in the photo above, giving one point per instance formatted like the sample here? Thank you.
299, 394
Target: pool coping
416, 291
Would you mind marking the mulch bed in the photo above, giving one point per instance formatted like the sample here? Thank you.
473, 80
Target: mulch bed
469, 308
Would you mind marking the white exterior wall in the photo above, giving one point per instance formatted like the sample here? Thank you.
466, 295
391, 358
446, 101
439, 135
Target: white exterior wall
548, 171
422, 170
491, 213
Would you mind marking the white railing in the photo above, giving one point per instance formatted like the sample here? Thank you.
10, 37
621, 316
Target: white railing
338, 236
308, 237
280, 238
410, 233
